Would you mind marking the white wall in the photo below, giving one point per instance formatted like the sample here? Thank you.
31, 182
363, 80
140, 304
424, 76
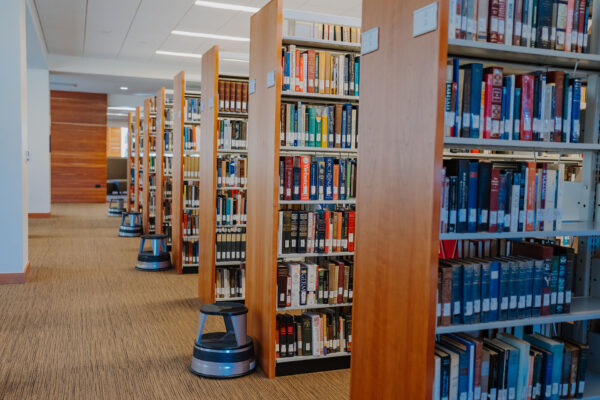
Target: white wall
13, 120
38, 132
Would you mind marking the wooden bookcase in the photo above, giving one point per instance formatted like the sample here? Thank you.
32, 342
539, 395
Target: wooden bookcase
146, 167
136, 183
179, 154
395, 297
263, 204
160, 153
209, 152
130, 163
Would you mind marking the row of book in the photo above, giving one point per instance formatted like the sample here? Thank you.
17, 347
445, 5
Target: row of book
232, 134
317, 333
559, 24
189, 250
317, 178
231, 171
191, 191
319, 71
501, 197
535, 280
233, 96
231, 244
486, 103
320, 31
328, 126
168, 140
191, 136
231, 208
310, 283
190, 223
167, 230
191, 167
230, 282
152, 143
322, 231
192, 107
532, 366
168, 166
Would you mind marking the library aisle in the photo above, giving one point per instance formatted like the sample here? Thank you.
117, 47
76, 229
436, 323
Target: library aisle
88, 326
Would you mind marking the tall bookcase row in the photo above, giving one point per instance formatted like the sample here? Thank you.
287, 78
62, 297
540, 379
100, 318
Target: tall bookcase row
130, 163
409, 147
223, 168
295, 134
185, 171
137, 149
149, 165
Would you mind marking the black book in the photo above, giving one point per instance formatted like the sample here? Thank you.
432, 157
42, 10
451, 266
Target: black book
296, 179
294, 232
282, 274
452, 203
302, 231
444, 373
286, 232
501, 367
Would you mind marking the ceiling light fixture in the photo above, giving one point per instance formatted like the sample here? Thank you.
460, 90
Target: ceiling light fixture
211, 36
225, 6
235, 59
116, 114
178, 54
121, 108
124, 88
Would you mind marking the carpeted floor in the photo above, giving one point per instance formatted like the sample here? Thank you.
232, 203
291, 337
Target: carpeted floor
86, 325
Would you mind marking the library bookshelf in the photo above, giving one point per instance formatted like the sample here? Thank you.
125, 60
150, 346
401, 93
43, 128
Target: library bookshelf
145, 169
184, 189
410, 313
159, 164
211, 150
138, 149
264, 150
130, 163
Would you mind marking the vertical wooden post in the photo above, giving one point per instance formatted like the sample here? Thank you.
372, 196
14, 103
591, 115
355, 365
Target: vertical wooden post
136, 188
129, 161
158, 164
263, 181
397, 219
146, 169
177, 187
207, 218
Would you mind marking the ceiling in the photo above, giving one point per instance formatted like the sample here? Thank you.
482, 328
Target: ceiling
133, 30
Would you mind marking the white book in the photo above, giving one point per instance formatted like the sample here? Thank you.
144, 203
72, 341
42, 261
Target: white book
508, 128
453, 371
436, 377
354, 128
530, 32
292, 50
550, 198
452, 20
294, 269
560, 185
514, 208
341, 64
509, 18
482, 13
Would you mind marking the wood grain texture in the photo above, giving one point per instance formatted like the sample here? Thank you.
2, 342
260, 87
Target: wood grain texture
40, 215
146, 168
78, 147
177, 186
160, 152
397, 218
130, 162
263, 181
207, 219
136, 183
15, 278
113, 142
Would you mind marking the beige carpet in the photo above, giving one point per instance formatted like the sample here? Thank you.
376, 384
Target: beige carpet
86, 325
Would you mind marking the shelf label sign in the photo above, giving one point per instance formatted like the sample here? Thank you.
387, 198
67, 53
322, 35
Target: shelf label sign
425, 19
252, 86
271, 78
370, 41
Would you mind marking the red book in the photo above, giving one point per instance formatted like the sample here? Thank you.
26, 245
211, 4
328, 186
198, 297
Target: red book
501, 20
298, 72
311, 71
327, 231
338, 230
496, 93
525, 83
278, 332
570, 36
517, 22
580, 26
336, 179
351, 221
493, 21
558, 78
530, 196
494, 190
288, 177
305, 178
487, 108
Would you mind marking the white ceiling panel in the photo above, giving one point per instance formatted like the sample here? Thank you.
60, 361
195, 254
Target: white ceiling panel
107, 24
238, 25
205, 20
63, 24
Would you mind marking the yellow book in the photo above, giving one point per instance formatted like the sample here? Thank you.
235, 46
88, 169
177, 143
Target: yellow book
327, 60
322, 72
324, 128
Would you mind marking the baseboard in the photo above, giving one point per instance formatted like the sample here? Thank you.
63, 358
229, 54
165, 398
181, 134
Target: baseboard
39, 215
16, 278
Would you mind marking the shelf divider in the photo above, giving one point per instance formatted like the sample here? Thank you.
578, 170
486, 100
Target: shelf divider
177, 186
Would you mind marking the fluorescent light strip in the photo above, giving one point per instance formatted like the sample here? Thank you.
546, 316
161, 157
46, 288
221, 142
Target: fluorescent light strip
235, 59
211, 36
178, 54
121, 108
116, 114
225, 6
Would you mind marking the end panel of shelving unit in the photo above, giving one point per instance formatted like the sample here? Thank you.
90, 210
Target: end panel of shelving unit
207, 219
160, 139
136, 181
177, 186
263, 177
129, 165
146, 169
398, 197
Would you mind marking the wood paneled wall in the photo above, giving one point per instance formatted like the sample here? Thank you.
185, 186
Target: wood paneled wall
78, 147
401, 117
113, 142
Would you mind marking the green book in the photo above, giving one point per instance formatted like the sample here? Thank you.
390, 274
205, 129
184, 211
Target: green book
311, 126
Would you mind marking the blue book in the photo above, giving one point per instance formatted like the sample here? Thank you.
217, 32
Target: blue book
314, 180
472, 196
517, 115
556, 348
512, 369
513, 289
463, 364
502, 190
485, 290
344, 126
342, 178
460, 169
523, 369
457, 272
356, 74
506, 134
521, 225
562, 266
467, 293
296, 133
483, 196
348, 111
328, 178
476, 290
476, 79
505, 103
470, 347
494, 290
546, 375
455, 80
504, 289
286, 71
529, 288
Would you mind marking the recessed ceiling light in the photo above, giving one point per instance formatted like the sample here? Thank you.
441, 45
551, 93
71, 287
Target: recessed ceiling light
235, 59
211, 36
225, 6
178, 54
124, 88
116, 114
121, 108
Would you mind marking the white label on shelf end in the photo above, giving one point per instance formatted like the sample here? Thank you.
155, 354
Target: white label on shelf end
424, 20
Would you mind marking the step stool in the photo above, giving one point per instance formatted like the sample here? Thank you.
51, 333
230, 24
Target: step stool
227, 354
116, 211
157, 259
131, 224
